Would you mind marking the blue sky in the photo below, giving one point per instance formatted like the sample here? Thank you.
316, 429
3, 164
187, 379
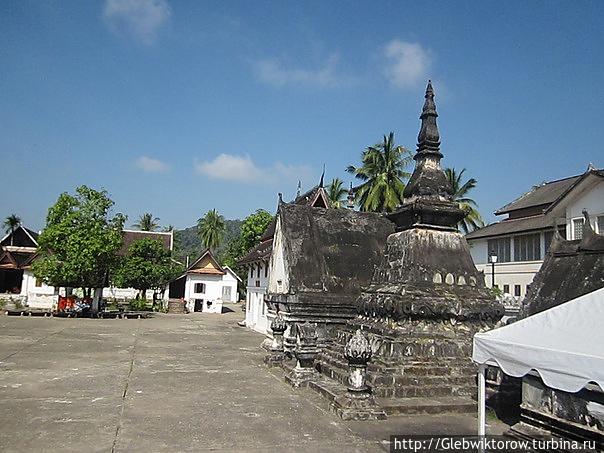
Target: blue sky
179, 107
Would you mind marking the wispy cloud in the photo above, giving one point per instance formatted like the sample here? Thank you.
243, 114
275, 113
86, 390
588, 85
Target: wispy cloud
407, 63
278, 73
139, 18
151, 165
243, 169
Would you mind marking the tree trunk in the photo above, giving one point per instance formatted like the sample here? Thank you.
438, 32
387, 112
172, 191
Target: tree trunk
144, 293
96, 300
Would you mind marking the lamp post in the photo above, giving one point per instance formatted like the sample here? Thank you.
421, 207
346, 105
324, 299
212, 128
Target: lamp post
492, 260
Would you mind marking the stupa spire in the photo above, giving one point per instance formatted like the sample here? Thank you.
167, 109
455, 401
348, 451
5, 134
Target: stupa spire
428, 140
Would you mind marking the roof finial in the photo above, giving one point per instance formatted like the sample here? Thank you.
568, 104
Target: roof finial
280, 198
351, 197
591, 167
321, 183
299, 191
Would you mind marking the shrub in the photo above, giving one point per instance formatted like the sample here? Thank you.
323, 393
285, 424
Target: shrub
137, 304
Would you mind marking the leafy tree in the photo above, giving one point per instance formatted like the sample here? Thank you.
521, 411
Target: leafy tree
11, 223
168, 228
252, 228
383, 175
147, 222
211, 229
147, 265
460, 194
79, 243
336, 193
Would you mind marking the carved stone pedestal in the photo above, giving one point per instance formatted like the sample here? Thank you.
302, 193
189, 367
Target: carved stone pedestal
358, 402
276, 355
306, 352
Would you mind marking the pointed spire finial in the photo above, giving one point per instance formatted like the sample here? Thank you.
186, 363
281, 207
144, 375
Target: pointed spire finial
299, 191
428, 139
351, 197
321, 183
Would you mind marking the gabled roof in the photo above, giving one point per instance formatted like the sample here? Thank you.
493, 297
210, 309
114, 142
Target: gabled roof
331, 251
206, 264
23, 237
7, 261
227, 268
542, 195
579, 181
315, 197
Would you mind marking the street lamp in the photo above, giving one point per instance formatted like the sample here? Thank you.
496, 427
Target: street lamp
492, 260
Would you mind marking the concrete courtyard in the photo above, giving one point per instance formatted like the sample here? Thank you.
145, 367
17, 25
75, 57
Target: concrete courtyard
171, 383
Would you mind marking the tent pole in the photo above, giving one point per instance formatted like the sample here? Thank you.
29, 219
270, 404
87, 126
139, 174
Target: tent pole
481, 400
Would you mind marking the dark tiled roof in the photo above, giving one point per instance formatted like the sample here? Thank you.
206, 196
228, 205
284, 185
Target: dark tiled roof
542, 195
261, 252
331, 250
509, 226
130, 236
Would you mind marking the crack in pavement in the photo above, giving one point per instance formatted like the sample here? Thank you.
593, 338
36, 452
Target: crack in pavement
118, 428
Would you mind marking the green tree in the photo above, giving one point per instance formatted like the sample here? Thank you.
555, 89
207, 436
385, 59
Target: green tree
168, 228
336, 193
211, 229
460, 194
252, 228
79, 243
147, 222
383, 175
147, 265
11, 223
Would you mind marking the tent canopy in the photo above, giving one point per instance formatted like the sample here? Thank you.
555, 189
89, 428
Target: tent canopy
564, 344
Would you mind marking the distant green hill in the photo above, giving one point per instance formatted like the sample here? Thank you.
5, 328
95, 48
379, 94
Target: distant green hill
187, 242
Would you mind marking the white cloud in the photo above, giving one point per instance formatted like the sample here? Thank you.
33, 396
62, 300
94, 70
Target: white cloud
151, 165
242, 169
407, 63
276, 72
140, 18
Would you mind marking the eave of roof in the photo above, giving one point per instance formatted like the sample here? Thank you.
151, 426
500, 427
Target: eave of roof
510, 226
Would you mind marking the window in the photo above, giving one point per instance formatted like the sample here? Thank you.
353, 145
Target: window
527, 247
501, 247
600, 223
258, 274
266, 271
578, 228
200, 288
517, 290
257, 283
506, 289
251, 272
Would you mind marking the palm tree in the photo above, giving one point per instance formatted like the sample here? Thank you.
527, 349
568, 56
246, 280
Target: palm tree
336, 193
11, 223
382, 173
147, 222
168, 228
211, 229
460, 194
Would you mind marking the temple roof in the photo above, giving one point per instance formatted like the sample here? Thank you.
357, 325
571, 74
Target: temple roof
542, 195
21, 237
331, 250
509, 226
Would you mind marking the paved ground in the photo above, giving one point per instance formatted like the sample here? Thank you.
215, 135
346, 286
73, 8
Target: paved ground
171, 383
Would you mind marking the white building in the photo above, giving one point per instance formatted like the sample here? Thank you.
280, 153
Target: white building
206, 285
521, 240
257, 264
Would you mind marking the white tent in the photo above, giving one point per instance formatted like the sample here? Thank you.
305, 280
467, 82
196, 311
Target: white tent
564, 345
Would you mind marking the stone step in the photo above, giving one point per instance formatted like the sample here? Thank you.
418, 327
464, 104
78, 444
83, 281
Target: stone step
427, 405
422, 391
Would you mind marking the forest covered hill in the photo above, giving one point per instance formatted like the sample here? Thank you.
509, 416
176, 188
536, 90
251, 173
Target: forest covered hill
187, 242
